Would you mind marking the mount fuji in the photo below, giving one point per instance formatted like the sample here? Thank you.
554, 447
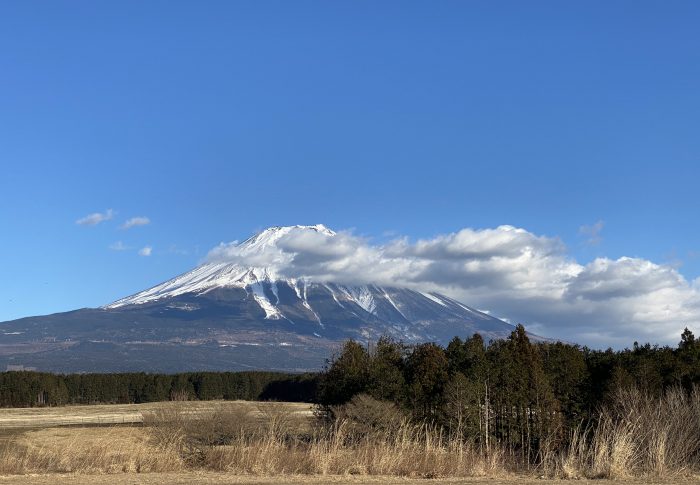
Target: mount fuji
231, 315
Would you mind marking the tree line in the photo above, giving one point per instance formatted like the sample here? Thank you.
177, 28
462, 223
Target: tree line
26, 389
515, 393
512, 392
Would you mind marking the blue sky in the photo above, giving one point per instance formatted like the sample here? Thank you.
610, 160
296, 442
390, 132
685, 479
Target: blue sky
217, 119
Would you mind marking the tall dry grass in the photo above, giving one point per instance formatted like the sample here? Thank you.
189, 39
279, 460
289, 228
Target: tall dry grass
637, 435
412, 450
270, 441
113, 450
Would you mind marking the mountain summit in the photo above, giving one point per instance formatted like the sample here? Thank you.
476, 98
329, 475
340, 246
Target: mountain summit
228, 274
241, 310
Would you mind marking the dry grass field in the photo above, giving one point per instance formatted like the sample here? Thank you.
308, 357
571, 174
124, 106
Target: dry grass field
106, 414
211, 478
242, 443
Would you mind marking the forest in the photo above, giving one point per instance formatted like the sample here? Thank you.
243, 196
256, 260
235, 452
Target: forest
511, 404
512, 382
25, 389
522, 395
569, 381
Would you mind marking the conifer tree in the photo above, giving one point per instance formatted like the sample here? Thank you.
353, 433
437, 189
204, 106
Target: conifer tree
346, 375
427, 370
386, 371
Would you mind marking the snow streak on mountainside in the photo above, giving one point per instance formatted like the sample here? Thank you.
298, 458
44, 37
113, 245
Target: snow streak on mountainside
364, 310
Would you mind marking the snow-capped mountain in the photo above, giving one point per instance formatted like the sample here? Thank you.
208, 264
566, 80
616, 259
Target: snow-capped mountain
230, 314
230, 275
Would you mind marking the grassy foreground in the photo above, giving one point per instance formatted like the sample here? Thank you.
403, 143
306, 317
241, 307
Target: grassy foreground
369, 442
206, 478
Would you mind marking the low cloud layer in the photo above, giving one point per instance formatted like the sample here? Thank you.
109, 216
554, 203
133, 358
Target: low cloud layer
95, 218
508, 271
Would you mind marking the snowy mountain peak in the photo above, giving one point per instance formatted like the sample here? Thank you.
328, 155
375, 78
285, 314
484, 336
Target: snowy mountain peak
273, 234
250, 279
230, 272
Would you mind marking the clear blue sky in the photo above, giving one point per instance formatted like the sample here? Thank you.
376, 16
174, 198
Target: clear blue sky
215, 119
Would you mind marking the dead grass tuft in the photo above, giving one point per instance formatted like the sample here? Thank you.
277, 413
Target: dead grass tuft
637, 435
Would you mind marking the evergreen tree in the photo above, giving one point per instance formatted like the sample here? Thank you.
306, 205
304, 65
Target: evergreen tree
427, 370
346, 375
526, 408
386, 371
566, 370
689, 359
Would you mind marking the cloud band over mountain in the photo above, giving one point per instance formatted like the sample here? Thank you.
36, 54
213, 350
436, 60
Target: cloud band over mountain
508, 271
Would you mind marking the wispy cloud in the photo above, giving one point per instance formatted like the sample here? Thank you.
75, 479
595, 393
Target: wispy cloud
174, 249
592, 232
95, 218
510, 271
145, 251
136, 221
118, 246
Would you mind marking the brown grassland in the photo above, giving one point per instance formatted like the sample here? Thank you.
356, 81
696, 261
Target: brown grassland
244, 442
218, 478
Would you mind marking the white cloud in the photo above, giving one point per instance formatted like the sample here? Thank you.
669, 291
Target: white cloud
95, 218
145, 251
118, 246
510, 271
593, 233
136, 221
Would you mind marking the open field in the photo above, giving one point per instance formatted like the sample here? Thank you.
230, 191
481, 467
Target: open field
112, 414
240, 442
205, 478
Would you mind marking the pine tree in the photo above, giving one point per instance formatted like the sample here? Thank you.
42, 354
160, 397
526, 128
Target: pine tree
566, 370
427, 370
689, 359
345, 376
386, 371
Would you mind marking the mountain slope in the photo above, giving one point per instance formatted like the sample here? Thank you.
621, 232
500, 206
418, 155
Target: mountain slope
229, 315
